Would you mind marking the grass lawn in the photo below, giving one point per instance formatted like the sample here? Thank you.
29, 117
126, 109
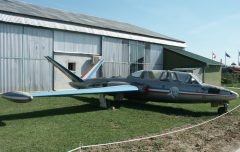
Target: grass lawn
64, 123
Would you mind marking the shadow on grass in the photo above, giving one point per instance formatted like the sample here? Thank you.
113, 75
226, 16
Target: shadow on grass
131, 104
51, 112
167, 109
93, 106
91, 100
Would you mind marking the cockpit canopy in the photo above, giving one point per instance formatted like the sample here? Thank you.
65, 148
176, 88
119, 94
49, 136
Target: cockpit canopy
165, 75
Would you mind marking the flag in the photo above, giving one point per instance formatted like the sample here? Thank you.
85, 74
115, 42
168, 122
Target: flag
227, 55
213, 55
238, 58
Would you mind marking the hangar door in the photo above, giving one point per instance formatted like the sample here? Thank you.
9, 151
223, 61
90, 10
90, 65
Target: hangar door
22, 63
123, 57
74, 51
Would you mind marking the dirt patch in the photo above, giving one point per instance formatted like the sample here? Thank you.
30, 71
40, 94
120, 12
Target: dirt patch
218, 136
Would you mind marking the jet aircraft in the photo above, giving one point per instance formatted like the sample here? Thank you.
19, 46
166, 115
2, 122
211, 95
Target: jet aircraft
146, 85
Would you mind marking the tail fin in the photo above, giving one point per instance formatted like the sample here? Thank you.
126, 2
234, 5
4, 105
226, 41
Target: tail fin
65, 71
88, 74
91, 71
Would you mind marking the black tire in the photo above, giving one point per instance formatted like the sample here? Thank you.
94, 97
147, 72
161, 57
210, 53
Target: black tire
2, 124
118, 103
221, 110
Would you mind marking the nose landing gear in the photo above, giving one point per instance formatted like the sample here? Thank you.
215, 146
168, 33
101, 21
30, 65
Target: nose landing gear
224, 109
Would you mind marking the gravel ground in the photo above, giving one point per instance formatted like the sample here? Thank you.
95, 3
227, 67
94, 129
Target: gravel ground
221, 135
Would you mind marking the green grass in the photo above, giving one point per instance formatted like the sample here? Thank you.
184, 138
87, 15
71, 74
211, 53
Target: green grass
64, 123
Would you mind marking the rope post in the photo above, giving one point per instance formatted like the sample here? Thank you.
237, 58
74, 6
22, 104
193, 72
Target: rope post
80, 147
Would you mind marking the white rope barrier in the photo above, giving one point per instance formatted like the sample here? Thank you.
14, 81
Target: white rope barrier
155, 136
233, 88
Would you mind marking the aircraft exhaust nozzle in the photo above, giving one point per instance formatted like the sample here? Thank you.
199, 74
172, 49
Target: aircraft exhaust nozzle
18, 96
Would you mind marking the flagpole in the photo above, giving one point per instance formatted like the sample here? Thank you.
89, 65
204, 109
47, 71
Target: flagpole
238, 58
225, 59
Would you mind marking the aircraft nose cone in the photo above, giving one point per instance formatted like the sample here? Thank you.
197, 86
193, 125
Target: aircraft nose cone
235, 95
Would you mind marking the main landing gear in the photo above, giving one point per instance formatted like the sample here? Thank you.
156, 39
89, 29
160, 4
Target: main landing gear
117, 99
224, 109
103, 101
2, 123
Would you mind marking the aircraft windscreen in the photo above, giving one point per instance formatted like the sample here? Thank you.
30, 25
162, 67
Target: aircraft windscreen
137, 74
150, 75
162, 75
197, 79
182, 77
188, 78
157, 74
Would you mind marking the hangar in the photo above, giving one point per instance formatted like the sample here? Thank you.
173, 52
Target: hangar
209, 71
29, 32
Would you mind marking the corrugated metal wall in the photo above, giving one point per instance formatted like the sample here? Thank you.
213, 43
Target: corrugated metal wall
116, 55
76, 43
76, 48
22, 63
154, 58
37, 43
123, 57
23, 66
10, 57
137, 55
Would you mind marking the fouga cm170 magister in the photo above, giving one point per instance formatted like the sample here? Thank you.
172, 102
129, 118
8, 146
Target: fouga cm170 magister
145, 85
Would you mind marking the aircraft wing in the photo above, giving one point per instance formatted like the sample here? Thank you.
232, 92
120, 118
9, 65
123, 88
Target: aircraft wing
112, 89
23, 97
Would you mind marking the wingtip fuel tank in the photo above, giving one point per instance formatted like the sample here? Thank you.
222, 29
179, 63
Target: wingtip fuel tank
18, 96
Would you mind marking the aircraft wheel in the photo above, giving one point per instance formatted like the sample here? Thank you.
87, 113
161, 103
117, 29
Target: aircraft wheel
2, 124
118, 104
223, 109
118, 100
226, 107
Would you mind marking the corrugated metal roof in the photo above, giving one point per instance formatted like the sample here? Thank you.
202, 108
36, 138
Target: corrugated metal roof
183, 52
22, 8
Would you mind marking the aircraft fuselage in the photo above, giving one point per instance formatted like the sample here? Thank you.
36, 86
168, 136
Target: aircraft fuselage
165, 90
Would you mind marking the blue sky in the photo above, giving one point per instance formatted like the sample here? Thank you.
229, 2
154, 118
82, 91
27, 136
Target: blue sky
204, 25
